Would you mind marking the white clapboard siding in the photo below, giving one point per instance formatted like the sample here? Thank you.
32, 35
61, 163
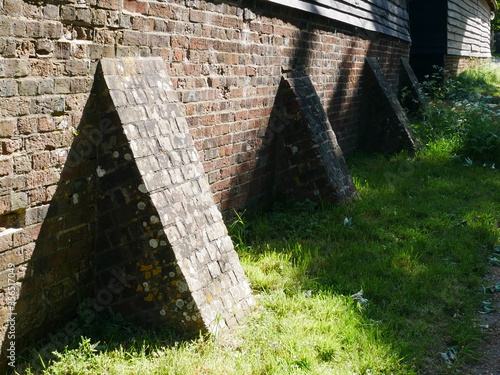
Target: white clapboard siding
469, 28
384, 16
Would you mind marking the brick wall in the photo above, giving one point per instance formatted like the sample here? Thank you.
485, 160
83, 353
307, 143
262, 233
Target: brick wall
225, 59
454, 64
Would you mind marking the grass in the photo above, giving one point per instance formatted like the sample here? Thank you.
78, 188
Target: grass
382, 285
464, 113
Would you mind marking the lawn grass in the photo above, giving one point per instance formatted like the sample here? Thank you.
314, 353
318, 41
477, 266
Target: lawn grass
382, 285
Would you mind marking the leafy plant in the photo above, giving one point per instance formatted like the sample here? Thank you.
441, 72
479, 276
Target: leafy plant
465, 112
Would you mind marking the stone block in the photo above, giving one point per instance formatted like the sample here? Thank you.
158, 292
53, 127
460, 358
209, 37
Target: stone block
44, 47
10, 146
8, 127
62, 85
50, 12
22, 164
18, 200
5, 166
110, 4
13, 8
52, 30
8, 87
46, 86
5, 26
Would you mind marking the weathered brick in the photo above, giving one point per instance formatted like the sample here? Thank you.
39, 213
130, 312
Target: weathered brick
198, 16
36, 215
10, 257
39, 142
5, 166
22, 164
41, 160
134, 38
44, 47
15, 106
9, 146
8, 48
136, 6
110, 4
18, 200
77, 68
50, 12
8, 87
5, 26
68, 13
13, 7
17, 68
52, 30
27, 125
46, 86
27, 236
34, 29
48, 105
25, 49
47, 124
28, 86
37, 196
8, 127
159, 10
62, 50
62, 85
19, 28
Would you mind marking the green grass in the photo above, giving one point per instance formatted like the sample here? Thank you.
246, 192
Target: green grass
465, 113
416, 244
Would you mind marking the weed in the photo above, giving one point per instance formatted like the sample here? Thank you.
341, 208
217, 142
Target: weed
465, 111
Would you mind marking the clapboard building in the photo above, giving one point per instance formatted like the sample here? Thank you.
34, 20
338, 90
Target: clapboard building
451, 34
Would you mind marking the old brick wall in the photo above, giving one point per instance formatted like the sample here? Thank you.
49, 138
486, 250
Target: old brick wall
225, 59
454, 64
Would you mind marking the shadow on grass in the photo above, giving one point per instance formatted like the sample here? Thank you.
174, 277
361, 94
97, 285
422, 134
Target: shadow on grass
104, 334
416, 243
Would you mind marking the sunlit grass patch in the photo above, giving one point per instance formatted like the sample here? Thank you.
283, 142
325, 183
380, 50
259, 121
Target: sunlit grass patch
382, 285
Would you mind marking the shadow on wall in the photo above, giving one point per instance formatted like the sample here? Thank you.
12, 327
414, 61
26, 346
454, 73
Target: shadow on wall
289, 163
360, 109
65, 246
94, 251
299, 157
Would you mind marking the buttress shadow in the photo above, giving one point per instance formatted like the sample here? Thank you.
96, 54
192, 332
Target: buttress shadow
300, 158
101, 250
